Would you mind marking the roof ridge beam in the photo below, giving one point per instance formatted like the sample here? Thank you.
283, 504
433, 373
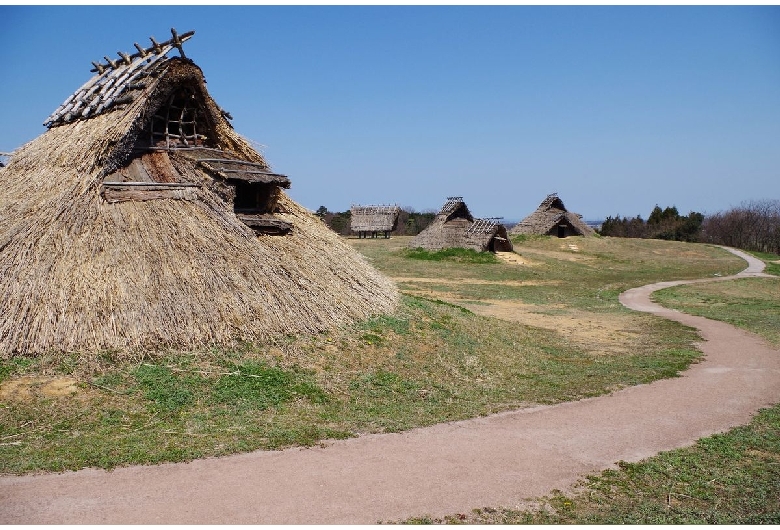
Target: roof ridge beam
157, 48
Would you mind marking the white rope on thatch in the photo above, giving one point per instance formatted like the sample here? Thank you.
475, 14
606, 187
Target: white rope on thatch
451, 204
484, 226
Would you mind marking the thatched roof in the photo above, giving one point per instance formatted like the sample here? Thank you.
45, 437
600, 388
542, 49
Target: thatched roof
373, 218
552, 218
148, 223
455, 227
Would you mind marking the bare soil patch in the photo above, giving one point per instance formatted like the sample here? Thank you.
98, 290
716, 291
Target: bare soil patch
604, 334
473, 281
29, 386
513, 258
607, 334
568, 254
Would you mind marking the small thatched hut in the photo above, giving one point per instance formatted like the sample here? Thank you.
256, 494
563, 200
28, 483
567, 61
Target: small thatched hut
455, 227
371, 220
553, 219
140, 219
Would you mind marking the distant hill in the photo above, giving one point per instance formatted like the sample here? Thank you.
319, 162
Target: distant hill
595, 225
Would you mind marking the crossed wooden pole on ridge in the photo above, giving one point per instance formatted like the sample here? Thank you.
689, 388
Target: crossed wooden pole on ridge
157, 48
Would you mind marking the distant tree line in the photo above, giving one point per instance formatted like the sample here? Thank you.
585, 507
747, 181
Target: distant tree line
410, 221
662, 224
754, 225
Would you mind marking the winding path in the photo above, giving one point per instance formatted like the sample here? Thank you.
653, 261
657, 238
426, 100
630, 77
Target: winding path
444, 469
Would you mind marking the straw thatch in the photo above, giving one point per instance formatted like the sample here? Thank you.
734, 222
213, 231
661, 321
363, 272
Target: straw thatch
114, 234
367, 220
553, 219
455, 227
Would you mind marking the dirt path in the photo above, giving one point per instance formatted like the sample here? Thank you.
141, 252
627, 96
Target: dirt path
445, 469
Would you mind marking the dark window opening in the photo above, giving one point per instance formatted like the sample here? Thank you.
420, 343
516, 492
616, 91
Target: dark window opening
255, 197
500, 244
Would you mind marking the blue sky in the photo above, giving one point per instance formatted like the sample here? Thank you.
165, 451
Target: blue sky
615, 108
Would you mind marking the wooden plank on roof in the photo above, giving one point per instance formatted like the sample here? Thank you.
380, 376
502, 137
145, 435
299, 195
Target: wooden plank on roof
114, 192
153, 184
245, 171
232, 160
265, 224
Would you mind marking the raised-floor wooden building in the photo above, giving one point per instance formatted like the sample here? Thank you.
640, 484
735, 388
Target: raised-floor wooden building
371, 220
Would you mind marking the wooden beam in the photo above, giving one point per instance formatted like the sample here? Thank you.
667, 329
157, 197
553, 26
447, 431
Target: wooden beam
251, 172
114, 194
265, 224
157, 47
153, 184
230, 161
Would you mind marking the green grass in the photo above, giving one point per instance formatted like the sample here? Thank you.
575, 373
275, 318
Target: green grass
749, 303
519, 239
772, 262
431, 361
773, 268
456, 255
261, 387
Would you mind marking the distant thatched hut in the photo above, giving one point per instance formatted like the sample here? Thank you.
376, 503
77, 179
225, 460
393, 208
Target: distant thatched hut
140, 219
553, 219
373, 219
455, 227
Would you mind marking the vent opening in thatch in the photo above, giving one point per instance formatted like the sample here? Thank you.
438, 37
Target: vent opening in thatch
255, 203
252, 197
180, 122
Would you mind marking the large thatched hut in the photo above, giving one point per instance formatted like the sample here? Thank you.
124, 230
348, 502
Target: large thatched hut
455, 227
553, 219
140, 219
370, 220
